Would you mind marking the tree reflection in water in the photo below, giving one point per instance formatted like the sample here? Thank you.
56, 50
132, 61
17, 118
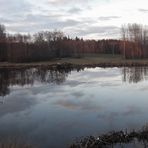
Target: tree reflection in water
21, 77
28, 77
134, 74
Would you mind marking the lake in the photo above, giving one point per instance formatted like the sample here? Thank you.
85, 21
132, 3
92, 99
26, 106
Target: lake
51, 109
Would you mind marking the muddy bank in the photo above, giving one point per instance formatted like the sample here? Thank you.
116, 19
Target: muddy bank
67, 65
113, 139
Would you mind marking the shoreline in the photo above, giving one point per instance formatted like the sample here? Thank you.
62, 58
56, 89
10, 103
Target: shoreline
112, 139
90, 62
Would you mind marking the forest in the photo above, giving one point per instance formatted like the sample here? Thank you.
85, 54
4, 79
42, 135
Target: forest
47, 45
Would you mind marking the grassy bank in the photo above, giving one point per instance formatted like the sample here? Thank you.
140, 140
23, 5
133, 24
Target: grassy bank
93, 60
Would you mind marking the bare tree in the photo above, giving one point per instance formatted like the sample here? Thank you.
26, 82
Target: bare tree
2, 33
135, 35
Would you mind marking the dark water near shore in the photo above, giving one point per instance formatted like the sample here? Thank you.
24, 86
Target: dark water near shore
51, 108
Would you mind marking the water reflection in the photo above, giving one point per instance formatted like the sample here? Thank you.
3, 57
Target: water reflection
134, 74
29, 77
11, 77
50, 108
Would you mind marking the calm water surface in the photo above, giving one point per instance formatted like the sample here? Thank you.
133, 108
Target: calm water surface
51, 108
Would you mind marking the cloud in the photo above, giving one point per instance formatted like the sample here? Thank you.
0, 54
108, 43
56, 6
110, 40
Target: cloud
83, 18
74, 10
96, 31
16, 7
65, 2
107, 18
143, 10
37, 23
5, 20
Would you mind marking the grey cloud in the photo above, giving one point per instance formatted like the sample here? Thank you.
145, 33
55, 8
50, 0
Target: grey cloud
97, 30
21, 16
36, 23
5, 20
40, 18
75, 6
12, 12
74, 10
143, 10
107, 18
64, 2
69, 22
9, 8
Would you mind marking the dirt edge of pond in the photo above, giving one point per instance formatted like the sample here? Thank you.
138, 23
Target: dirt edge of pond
110, 139
67, 65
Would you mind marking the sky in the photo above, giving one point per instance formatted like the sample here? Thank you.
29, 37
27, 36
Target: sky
90, 19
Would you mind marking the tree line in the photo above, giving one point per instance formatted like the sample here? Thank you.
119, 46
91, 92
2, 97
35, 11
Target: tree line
46, 45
